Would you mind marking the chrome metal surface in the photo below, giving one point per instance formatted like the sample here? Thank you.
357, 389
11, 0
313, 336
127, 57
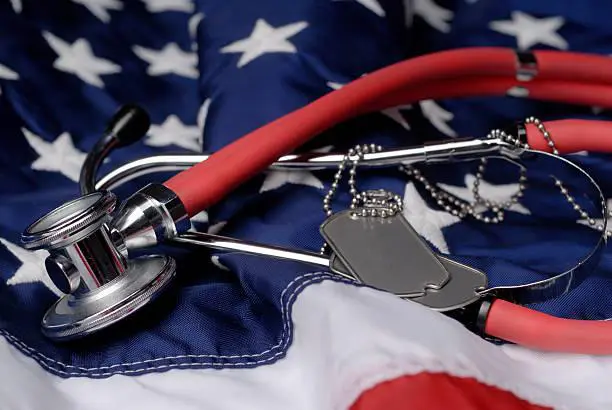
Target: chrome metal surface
96, 258
528, 293
200, 239
77, 237
70, 222
455, 149
80, 314
526, 66
463, 287
150, 216
62, 272
385, 253
376, 244
559, 284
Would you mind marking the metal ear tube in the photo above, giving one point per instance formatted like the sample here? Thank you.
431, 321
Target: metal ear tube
90, 239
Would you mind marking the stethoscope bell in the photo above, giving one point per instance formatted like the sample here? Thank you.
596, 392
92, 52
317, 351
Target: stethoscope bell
86, 262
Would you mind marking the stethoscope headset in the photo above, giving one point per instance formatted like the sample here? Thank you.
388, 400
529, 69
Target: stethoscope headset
92, 239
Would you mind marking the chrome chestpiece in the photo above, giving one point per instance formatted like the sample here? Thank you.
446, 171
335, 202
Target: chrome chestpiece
89, 261
91, 240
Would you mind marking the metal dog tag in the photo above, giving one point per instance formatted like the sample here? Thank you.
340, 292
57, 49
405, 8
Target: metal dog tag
385, 253
461, 290
463, 287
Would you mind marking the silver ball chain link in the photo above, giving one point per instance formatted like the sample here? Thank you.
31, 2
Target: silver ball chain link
481, 206
564, 191
482, 209
379, 203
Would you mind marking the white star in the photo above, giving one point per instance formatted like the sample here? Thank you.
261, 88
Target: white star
7, 74
202, 115
436, 16
57, 156
200, 218
334, 85
265, 39
394, 112
215, 260
100, 8
155, 6
216, 228
17, 6
438, 117
426, 221
374, 6
169, 60
408, 12
277, 178
173, 132
530, 30
495, 193
396, 115
32, 267
194, 23
78, 59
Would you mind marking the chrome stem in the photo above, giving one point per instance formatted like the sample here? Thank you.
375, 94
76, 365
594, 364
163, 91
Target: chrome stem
446, 151
222, 243
457, 149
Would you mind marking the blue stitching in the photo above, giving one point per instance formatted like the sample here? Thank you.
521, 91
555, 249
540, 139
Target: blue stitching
286, 335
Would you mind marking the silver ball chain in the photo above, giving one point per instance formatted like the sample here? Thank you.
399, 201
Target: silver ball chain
383, 204
378, 203
564, 191
481, 206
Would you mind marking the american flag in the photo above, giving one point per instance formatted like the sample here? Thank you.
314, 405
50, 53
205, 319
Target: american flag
237, 331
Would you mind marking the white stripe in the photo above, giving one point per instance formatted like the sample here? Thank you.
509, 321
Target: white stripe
346, 340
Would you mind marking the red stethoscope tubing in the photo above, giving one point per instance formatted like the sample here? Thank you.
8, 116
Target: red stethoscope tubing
527, 327
592, 94
252, 153
562, 77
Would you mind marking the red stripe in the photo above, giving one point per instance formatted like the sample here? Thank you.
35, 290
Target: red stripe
438, 391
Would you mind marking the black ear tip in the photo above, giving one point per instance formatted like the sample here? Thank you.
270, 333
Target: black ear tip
129, 124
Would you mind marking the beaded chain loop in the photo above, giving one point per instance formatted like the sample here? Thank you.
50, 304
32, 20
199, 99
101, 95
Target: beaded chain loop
482, 208
564, 191
371, 203
383, 204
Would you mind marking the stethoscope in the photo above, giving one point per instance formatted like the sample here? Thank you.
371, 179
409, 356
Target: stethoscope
92, 239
